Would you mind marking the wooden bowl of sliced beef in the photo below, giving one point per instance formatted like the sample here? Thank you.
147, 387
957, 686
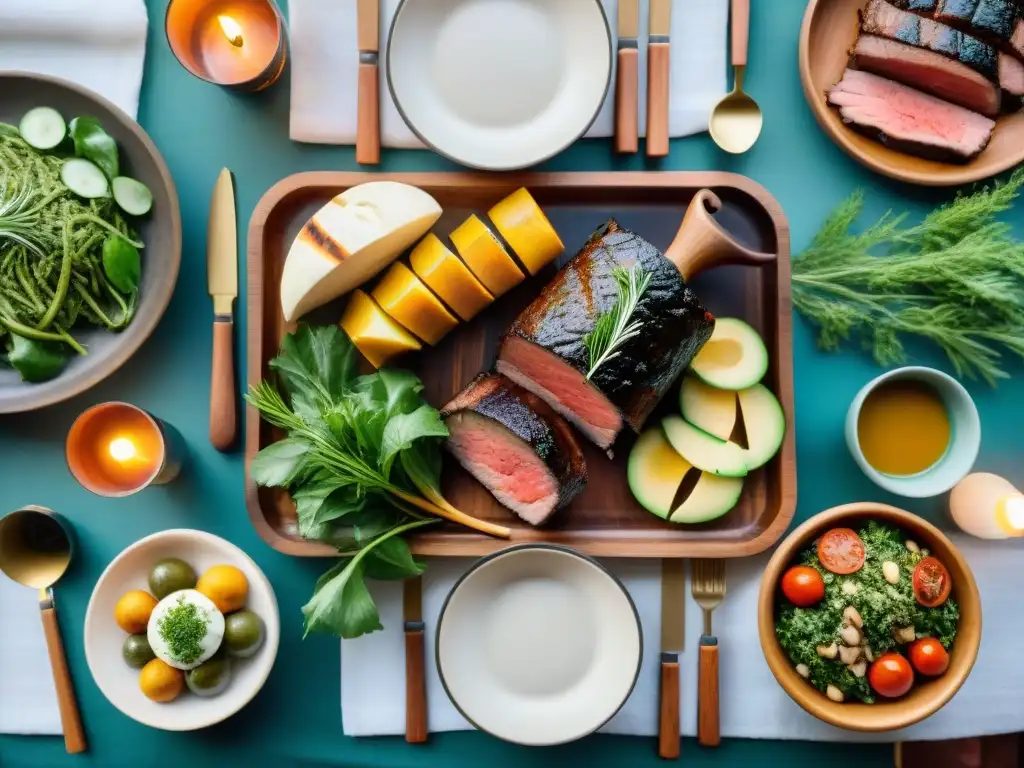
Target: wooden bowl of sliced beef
925, 91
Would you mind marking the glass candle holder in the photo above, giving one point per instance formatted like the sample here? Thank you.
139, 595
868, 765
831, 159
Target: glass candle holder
117, 449
239, 44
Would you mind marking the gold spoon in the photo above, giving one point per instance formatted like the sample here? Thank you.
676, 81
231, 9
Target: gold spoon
736, 120
35, 550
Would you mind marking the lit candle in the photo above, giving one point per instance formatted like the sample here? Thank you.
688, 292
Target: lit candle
987, 506
116, 449
240, 44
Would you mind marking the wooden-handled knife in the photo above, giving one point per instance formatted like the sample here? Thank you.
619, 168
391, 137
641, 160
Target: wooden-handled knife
658, 76
415, 672
368, 103
627, 78
673, 613
222, 280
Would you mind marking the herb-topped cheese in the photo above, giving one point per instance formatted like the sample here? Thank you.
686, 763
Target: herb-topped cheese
185, 629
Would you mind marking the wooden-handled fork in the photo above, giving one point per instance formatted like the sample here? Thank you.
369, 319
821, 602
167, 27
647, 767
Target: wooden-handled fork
708, 588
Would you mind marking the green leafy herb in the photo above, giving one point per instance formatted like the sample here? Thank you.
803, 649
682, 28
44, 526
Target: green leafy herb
362, 459
956, 279
183, 627
36, 360
95, 144
613, 328
122, 264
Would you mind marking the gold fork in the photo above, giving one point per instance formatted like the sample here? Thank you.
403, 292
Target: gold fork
708, 587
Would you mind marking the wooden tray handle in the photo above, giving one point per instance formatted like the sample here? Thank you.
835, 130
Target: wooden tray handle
627, 104
415, 686
71, 720
701, 243
708, 734
668, 720
223, 417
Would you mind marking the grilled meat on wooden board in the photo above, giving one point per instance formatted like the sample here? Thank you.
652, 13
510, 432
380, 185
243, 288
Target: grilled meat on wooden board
908, 120
990, 19
544, 350
516, 446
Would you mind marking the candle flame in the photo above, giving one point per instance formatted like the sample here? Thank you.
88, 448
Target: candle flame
232, 30
1014, 510
122, 449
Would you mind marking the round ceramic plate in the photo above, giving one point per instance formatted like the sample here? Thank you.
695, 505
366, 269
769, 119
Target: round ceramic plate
160, 230
829, 31
103, 637
499, 84
538, 645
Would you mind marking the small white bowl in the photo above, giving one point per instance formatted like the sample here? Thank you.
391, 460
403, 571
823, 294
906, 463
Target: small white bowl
964, 439
104, 638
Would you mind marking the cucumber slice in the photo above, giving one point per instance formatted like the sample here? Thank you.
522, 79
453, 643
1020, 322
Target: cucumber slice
84, 178
764, 422
133, 196
704, 451
733, 358
43, 128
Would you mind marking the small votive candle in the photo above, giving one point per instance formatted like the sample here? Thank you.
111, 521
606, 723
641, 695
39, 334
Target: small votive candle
116, 449
987, 506
240, 44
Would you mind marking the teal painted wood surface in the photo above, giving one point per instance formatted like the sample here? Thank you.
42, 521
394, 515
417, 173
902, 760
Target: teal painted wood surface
296, 719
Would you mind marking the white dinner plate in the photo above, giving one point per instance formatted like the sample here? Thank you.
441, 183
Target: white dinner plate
499, 84
104, 638
538, 645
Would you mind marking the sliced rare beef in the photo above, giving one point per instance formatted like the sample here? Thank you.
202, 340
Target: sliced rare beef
908, 120
1011, 81
516, 446
929, 71
544, 349
994, 20
1016, 44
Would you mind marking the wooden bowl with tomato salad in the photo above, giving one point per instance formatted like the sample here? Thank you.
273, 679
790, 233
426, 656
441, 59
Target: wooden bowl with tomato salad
927, 696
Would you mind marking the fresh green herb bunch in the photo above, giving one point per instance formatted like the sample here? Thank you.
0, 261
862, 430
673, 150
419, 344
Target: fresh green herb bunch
183, 629
882, 607
615, 327
956, 279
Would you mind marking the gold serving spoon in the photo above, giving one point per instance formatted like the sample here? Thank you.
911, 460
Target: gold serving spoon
35, 550
736, 120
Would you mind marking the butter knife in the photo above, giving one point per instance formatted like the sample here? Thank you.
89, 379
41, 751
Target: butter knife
673, 610
627, 78
658, 78
222, 280
368, 103
415, 673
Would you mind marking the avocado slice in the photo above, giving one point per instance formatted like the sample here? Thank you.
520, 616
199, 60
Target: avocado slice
733, 358
705, 452
708, 408
764, 422
655, 472
711, 498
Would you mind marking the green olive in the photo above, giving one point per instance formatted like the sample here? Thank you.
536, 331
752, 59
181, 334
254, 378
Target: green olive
170, 575
136, 651
211, 677
243, 633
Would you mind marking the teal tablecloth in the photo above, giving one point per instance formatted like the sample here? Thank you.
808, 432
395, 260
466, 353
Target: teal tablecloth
296, 719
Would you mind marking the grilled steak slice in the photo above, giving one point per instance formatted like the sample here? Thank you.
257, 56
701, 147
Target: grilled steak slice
516, 446
545, 353
908, 120
929, 71
995, 20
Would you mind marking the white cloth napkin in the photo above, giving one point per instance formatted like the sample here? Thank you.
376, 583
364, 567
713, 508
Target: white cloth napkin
325, 61
752, 703
98, 45
28, 699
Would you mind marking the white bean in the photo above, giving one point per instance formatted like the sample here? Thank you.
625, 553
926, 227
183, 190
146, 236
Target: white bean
849, 655
903, 634
835, 694
860, 668
912, 546
852, 617
828, 651
850, 587
851, 636
891, 571
868, 654
803, 670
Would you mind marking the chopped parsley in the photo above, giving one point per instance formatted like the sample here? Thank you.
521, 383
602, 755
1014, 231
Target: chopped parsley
183, 628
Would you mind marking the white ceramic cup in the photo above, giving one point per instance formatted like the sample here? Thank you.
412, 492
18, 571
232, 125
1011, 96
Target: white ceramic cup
964, 439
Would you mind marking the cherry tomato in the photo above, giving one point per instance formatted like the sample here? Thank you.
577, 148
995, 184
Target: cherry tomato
890, 675
928, 656
931, 583
803, 586
841, 551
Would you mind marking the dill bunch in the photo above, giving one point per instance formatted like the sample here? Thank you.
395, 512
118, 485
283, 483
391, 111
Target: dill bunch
955, 279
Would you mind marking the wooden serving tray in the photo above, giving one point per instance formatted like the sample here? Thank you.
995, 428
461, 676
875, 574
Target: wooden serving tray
604, 520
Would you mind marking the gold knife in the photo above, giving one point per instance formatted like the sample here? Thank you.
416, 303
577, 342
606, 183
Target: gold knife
673, 612
222, 280
658, 78
368, 103
627, 78
415, 673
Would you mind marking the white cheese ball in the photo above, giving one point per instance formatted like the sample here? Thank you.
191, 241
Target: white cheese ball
205, 610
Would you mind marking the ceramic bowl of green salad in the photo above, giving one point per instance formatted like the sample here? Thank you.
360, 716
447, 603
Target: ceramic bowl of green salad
869, 617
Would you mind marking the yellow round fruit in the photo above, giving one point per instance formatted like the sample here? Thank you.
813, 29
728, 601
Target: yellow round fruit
226, 586
133, 610
161, 682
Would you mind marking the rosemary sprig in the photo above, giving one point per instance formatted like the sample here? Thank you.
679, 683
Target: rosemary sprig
955, 279
614, 328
